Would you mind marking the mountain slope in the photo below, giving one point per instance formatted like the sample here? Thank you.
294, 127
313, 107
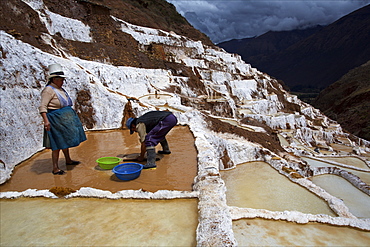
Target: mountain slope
119, 48
116, 70
348, 101
314, 63
253, 49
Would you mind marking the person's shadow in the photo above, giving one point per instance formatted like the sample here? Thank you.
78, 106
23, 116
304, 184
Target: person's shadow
45, 166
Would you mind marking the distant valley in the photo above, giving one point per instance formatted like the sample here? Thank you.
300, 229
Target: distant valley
308, 61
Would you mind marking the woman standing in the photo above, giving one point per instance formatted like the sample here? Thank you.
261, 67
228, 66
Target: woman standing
62, 127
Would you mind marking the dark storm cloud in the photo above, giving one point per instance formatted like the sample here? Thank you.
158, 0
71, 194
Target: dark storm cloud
236, 19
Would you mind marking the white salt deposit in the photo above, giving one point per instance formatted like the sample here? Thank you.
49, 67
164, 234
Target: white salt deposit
69, 28
23, 72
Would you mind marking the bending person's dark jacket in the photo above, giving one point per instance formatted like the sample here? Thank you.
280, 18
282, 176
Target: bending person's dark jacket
151, 119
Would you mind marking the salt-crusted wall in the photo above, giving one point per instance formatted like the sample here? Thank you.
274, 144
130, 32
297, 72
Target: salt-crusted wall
228, 88
108, 87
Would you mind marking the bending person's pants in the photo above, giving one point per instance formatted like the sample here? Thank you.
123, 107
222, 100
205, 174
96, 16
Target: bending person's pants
159, 132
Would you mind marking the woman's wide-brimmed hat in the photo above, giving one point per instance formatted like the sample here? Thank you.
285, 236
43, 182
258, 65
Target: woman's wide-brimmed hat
55, 70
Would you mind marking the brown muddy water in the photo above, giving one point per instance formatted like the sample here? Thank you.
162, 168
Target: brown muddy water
174, 172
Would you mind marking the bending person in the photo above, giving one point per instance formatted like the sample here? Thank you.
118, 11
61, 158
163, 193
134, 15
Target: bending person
152, 128
62, 127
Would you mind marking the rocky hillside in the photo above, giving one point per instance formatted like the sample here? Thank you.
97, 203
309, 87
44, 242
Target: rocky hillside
252, 50
307, 61
348, 101
319, 60
119, 65
107, 43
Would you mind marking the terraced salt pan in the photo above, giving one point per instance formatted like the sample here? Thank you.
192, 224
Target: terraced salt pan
364, 176
345, 140
260, 232
242, 126
244, 111
174, 172
296, 143
322, 151
109, 85
258, 185
156, 99
357, 201
98, 222
342, 148
168, 108
352, 161
283, 141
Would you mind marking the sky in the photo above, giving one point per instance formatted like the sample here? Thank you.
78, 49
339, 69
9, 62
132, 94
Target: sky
223, 20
